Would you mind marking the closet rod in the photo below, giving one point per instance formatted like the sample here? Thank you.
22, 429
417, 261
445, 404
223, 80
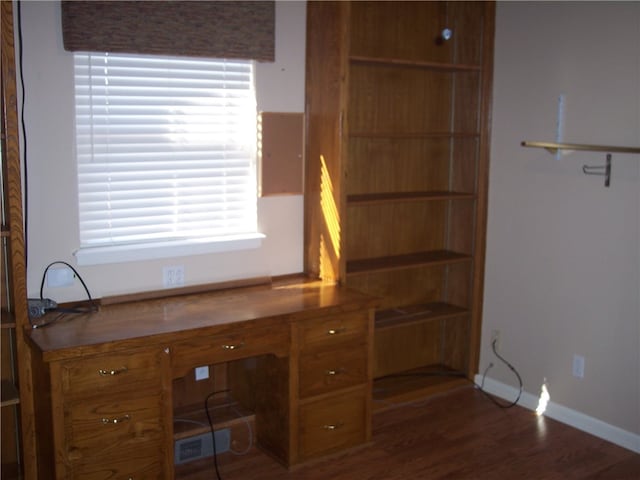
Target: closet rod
554, 147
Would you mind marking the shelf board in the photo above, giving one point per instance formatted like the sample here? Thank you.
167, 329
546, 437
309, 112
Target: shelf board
386, 197
410, 260
7, 319
9, 395
414, 385
396, 62
410, 314
413, 135
225, 412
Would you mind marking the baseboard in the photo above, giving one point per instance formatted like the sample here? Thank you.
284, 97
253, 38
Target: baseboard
591, 425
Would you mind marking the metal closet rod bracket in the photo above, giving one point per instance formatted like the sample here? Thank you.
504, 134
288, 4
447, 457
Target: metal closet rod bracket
604, 170
600, 170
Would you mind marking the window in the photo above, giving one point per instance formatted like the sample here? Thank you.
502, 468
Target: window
165, 150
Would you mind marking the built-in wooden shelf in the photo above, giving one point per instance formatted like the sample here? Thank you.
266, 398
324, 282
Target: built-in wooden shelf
409, 314
414, 384
8, 319
396, 62
411, 135
410, 260
225, 412
397, 170
386, 197
9, 394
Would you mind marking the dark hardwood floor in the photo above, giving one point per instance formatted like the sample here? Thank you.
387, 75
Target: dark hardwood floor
458, 435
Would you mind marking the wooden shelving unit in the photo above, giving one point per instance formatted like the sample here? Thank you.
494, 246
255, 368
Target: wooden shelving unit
367, 199
10, 394
401, 262
406, 315
7, 319
18, 435
398, 99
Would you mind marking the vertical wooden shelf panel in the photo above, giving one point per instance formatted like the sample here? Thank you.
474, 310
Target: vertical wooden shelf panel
18, 433
397, 138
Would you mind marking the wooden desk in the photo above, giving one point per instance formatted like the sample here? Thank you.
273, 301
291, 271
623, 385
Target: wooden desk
107, 378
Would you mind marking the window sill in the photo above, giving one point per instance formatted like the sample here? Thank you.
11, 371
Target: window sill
152, 251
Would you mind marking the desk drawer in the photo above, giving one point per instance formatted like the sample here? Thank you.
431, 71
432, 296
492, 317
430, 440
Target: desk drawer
224, 348
113, 426
332, 330
130, 371
327, 370
332, 424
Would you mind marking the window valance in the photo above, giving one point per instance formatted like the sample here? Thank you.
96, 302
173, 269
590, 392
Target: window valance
218, 29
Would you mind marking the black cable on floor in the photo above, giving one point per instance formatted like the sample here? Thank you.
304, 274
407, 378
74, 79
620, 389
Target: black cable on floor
511, 367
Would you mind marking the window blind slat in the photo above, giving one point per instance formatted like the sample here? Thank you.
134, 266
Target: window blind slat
164, 152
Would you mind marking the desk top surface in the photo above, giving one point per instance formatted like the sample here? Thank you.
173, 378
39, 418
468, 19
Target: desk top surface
168, 319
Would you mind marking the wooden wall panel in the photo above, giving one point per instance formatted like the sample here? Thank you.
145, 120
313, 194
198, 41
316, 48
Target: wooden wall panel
464, 165
455, 338
398, 164
324, 196
366, 239
383, 31
398, 288
383, 100
468, 18
407, 347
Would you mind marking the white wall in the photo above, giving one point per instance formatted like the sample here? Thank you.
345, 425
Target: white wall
563, 251
52, 209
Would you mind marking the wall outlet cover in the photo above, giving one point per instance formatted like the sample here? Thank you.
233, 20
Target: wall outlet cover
200, 446
202, 373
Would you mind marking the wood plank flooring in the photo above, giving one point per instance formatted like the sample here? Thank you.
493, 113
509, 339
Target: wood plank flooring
458, 435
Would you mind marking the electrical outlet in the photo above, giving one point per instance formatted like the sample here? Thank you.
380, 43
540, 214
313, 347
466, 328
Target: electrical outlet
202, 373
60, 277
173, 276
578, 366
200, 446
495, 337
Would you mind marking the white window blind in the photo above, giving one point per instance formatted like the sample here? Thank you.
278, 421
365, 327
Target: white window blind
165, 148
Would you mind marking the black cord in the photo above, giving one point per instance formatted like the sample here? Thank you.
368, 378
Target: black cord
24, 137
92, 308
213, 432
511, 367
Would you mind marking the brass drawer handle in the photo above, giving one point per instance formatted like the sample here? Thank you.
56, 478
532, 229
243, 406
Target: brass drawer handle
334, 426
106, 421
106, 373
332, 373
233, 347
336, 331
